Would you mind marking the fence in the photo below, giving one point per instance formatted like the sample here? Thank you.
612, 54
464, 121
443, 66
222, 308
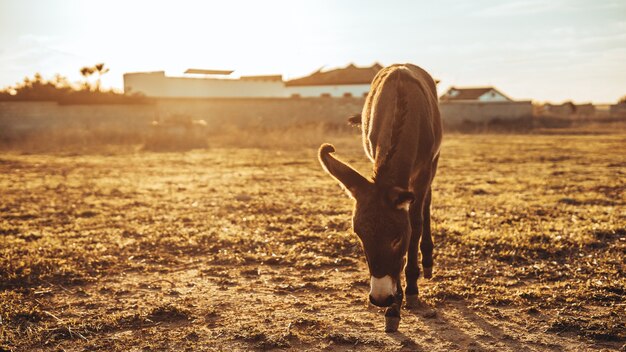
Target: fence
24, 117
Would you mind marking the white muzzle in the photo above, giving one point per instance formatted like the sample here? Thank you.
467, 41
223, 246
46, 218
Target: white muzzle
382, 288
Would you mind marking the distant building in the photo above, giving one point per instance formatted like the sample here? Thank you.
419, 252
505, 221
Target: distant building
568, 109
618, 109
585, 110
350, 81
481, 105
478, 94
210, 84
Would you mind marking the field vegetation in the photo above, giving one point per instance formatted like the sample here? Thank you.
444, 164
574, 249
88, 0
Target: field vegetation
246, 244
59, 89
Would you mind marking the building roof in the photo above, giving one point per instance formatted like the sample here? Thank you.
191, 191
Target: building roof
271, 78
160, 73
468, 93
350, 74
208, 72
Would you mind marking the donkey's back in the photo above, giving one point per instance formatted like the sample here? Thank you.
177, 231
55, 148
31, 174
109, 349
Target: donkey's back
401, 123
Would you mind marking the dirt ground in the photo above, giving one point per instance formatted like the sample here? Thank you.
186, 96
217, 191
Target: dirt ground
250, 248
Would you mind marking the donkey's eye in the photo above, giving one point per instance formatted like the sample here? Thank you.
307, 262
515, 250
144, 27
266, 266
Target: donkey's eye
395, 243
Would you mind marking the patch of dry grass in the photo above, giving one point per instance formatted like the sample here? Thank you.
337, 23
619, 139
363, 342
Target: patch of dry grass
173, 137
251, 248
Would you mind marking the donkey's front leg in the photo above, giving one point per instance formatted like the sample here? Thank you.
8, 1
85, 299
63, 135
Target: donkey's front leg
392, 314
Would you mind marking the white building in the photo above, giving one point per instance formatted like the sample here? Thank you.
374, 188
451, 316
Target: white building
480, 94
211, 84
350, 81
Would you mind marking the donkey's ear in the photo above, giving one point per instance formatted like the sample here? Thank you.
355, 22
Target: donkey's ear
401, 198
355, 120
347, 176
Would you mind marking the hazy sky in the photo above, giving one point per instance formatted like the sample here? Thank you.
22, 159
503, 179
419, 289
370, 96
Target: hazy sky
529, 49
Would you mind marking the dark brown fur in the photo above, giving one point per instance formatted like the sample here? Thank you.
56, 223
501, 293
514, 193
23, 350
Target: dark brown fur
402, 135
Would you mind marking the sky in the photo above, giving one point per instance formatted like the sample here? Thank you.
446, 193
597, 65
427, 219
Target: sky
541, 50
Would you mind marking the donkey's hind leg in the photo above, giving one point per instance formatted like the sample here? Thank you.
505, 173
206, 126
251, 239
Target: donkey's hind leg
426, 244
412, 269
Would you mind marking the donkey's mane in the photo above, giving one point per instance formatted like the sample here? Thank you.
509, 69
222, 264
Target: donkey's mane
383, 169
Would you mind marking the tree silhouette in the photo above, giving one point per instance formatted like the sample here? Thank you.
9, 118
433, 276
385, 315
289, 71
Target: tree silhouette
100, 69
622, 100
61, 90
86, 72
38, 89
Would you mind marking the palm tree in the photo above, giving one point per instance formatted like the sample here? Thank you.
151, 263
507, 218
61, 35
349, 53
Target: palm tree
100, 70
86, 72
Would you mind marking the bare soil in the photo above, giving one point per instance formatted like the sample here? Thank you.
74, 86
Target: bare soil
251, 248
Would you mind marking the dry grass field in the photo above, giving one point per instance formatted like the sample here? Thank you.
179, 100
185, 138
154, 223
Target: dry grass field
231, 248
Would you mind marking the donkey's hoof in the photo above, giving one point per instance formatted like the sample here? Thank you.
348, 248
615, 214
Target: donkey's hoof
428, 272
412, 301
391, 324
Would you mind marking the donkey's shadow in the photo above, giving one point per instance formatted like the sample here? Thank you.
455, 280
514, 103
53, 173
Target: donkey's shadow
406, 342
459, 327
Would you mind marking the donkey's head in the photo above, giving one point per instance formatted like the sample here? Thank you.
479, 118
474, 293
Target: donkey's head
381, 220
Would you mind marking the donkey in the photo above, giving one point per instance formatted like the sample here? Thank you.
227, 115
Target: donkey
402, 135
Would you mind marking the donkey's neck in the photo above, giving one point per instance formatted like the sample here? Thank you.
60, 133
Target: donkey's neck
395, 172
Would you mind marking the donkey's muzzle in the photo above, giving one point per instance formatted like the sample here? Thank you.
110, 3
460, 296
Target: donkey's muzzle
383, 303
